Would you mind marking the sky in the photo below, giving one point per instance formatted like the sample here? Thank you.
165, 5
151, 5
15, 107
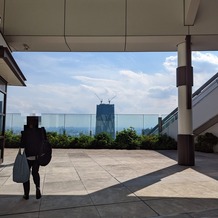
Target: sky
75, 82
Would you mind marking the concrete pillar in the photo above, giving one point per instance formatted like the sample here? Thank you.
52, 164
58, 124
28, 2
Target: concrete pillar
184, 84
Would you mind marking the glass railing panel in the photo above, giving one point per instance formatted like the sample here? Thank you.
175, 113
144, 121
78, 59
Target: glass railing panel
15, 122
150, 121
124, 121
77, 124
53, 122
142, 123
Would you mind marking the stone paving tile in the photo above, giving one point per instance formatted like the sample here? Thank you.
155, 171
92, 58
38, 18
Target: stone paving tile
12, 204
170, 206
81, 212
22, 215
12, 189
6, 171
94, 173
205, 214
57, 202
126, 210
64, 187
3, 179
99, 184
157, 191
61, 177
115, 194
194, 190
115, 183
183, 215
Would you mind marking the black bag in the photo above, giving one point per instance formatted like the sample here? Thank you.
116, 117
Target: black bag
45, 154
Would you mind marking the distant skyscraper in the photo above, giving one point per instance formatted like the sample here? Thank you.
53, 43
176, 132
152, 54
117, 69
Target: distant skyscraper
105, 119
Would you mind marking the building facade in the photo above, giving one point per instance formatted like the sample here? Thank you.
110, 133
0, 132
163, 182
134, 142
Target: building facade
105, 120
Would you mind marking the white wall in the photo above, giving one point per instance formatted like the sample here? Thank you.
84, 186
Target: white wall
205, 107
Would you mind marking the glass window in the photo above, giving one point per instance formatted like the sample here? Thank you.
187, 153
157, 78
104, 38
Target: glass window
1, 124
2, 85
1, 149
2, 102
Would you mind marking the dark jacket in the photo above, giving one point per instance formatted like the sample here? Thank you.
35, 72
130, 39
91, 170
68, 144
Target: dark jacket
32, 140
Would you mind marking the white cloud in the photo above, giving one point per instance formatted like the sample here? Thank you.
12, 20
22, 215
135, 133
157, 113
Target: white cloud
70, 84
205, 57
170, 64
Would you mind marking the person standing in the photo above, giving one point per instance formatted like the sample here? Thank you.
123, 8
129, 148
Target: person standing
32, 137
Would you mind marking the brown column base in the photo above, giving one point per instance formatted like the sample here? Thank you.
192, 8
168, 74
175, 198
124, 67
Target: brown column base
186, 150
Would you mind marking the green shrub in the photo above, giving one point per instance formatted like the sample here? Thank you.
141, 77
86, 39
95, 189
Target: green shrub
83, 141
127, 139
75, 143
158, 142
149, 141
206, 142
12, 140
59, 140
102, 140
146, 131
166, 142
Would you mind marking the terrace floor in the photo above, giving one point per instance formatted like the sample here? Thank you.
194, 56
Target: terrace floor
114, 183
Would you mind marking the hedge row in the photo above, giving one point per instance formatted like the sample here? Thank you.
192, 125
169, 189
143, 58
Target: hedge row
126, 139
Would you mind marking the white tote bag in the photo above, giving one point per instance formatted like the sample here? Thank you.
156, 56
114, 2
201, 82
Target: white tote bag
21, 171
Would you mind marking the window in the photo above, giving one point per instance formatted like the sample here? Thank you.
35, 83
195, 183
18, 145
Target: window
3, 89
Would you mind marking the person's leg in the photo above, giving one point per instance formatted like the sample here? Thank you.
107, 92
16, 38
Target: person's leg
26, 185
36, 178
26, 188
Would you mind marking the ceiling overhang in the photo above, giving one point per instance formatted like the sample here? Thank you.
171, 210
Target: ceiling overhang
191, 9
110, 25
9, 70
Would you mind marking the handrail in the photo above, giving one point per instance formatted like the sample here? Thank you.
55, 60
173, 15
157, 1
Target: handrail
206, 125
197, 92
205, 85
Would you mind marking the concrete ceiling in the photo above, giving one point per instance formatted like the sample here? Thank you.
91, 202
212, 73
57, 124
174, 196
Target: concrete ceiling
108, 25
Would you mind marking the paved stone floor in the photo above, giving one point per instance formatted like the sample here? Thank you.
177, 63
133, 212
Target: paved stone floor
114, 183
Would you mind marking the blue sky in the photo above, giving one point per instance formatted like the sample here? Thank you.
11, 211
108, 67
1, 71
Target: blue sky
143, 83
